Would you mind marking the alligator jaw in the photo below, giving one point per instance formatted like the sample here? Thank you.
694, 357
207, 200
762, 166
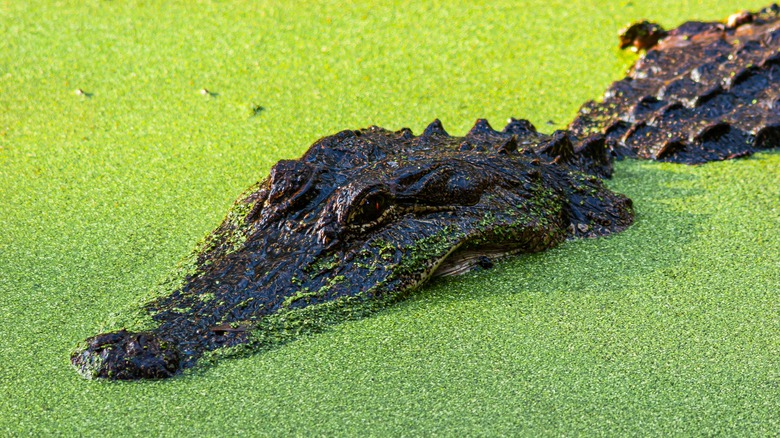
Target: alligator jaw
460, 261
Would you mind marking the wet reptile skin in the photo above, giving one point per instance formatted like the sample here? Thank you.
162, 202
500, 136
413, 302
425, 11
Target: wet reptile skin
366, 216
706, 91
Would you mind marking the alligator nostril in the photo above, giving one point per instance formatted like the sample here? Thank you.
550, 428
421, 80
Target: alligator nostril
125, 356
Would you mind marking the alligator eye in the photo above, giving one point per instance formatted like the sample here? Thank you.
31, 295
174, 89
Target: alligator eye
370, 208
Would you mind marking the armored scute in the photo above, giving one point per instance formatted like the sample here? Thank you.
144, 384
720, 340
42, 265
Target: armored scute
705, 92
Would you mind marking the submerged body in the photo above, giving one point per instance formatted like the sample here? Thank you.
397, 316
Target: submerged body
366, 216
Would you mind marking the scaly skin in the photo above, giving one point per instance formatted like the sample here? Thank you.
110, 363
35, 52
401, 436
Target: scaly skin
705, 92
362, 218
366, 216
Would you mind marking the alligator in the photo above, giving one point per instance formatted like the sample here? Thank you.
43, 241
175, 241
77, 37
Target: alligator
366, 216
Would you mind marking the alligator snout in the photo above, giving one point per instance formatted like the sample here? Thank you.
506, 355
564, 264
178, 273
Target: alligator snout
124, 355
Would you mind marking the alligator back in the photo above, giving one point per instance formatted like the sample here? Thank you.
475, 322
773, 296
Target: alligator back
706, 91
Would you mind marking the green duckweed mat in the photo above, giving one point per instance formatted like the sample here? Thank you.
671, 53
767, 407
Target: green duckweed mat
672, 327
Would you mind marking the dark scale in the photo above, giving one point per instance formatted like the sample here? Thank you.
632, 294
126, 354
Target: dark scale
366, 216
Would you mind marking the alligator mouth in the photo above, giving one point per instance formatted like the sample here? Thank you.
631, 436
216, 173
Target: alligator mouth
189, 327
462, 260
220, 308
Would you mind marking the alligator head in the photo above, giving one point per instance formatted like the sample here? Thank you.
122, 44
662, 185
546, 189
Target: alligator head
357, 222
